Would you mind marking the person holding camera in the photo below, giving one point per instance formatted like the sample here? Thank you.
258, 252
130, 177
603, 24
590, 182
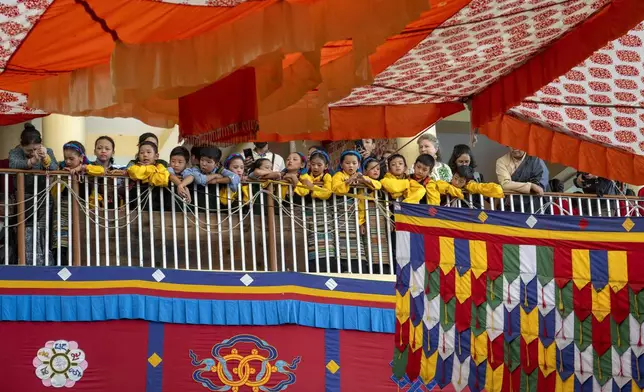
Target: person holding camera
593, 185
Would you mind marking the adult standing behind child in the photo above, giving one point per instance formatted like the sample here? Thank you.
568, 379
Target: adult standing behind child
31, 154
262, 150
151, 138
428, 144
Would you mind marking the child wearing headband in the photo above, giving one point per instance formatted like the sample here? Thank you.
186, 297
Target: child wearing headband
398, 184
235, 164
295, 167
75, 158
435, 188
349, 175
318, 173
321, 251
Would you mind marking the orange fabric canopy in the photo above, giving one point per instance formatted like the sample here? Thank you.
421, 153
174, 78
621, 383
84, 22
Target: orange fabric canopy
136, 57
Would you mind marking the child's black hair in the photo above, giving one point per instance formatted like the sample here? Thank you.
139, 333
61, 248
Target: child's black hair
196, 151
213, 153
394, 156
155, 148
258, 163
180, 151
30, 135
427, 160
148, 135
465, 172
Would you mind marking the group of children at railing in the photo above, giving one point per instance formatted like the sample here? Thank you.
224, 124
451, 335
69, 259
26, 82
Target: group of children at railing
303, 177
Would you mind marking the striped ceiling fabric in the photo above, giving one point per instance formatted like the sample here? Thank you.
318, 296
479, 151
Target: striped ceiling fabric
600, 100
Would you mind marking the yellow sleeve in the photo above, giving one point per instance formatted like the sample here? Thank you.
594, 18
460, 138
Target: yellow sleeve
375, 184
445, 188
46, 161
95, 170
415, 192
160, 176
140, 172
93, 198
394, 186
433, 195
245, 194
301, 189
338, 185
225, 194
488, 189
325, 191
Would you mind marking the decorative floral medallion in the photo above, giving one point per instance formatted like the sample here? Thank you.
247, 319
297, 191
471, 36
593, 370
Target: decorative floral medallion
60, 364
244, 361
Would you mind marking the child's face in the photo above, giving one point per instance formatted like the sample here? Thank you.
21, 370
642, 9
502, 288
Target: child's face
103, 150
397, 167
421, 171
294, 162
147, 156
266, 165
373, 170
72, 159
207, 165
236, 166
317, 166
350, 164
458, 181
178, 163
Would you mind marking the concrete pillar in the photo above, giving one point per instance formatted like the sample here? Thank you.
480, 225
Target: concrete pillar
58, 129
410, 151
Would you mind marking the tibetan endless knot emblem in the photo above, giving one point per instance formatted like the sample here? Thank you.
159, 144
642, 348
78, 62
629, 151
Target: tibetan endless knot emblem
60, 364
244, 361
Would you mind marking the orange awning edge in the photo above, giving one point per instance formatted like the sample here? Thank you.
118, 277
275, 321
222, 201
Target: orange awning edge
378, 122
615, 20
567, 150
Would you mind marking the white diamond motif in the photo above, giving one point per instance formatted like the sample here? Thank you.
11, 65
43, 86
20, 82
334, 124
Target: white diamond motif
331, 284
531, 221
246, 280
64, 274
158, 275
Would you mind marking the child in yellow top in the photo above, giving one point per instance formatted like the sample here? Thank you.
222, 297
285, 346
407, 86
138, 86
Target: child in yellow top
295, 167
398, 184
235, 163
434, 188
464, 179
349, 174
146, 169
318, 173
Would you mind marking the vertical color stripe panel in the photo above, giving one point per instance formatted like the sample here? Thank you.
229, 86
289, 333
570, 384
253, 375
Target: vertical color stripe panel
332, 353
154, 377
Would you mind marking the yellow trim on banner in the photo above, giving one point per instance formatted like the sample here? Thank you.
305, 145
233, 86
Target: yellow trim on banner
586, 236
194, 288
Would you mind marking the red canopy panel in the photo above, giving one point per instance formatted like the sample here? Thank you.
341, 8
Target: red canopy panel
483, 41
600, 100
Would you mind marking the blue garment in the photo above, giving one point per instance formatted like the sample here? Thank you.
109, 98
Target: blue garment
545, 177
200, 177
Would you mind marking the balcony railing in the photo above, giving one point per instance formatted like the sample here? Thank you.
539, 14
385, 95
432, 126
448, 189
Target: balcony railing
54, 219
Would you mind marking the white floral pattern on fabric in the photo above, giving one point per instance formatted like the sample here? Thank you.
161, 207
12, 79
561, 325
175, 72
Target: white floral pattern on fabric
17, 18
600, 100
483, 41
60, 364
15, 103
206, 3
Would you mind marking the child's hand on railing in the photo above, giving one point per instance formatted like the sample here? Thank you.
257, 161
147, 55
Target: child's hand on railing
184, 193
291, 177
308, 184
77, 171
